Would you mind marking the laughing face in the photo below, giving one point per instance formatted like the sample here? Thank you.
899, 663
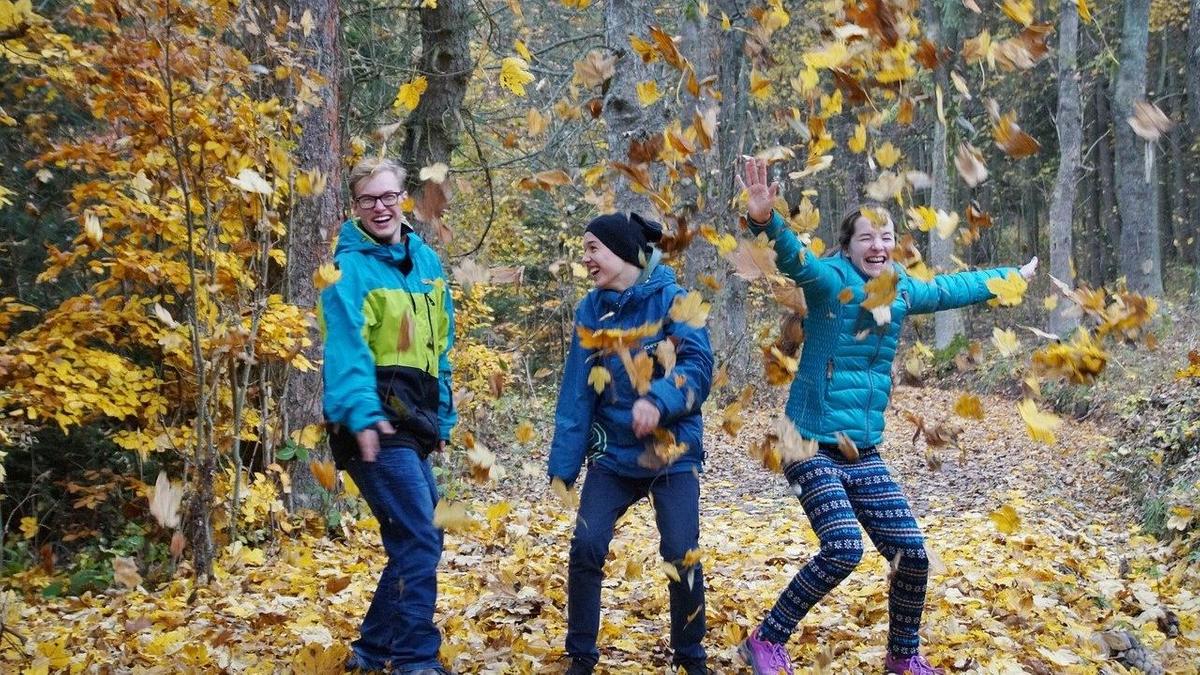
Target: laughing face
871, 246
377, 205
606, 269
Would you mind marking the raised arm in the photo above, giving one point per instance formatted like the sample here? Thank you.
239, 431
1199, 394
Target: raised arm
792, 258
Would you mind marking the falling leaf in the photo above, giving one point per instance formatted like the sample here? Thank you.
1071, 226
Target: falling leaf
29, 527
1085, 14
250, 180
514, 74
639, 368
671, 572
754, 258
1006, 341
406, 333
326, 275
566, 495
481, 463
760, 87
1006, 519
598, 378
410, 93
792, 446
125, 572
881, 292
858, 142
664, 353
1039, 424
1012, 140
969, 162
690, 309
451, 516
648, 93
1008, 290
596, 68
525, 432
887, 155
165, 499
1149, 121
1020, 11
435, 172
969, 405
616, 339
325, 473
847, 447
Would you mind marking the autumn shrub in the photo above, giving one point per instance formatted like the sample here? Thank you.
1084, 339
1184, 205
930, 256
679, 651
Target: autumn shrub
174, 332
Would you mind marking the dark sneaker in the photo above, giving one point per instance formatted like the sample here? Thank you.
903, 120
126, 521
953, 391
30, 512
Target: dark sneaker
579, 667
765, 658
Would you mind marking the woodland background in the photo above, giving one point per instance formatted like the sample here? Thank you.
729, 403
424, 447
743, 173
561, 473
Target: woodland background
172, 174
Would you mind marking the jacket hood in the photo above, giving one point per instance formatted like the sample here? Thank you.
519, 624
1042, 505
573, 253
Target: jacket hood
353, 238
653, 279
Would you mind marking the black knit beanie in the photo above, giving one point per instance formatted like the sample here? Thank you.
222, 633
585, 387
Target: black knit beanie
629, 237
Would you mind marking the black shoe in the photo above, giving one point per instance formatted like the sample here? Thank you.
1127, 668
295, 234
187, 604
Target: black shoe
354, 664
579, 667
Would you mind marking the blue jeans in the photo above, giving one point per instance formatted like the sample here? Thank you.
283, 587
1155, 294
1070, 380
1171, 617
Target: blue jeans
605, 497
398, 628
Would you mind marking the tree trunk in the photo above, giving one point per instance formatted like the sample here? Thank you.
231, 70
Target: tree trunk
1193, 121
1141, 259
313, 221
942, 20
1070, 133
1110, 218
711, 52
431, 131
627, 120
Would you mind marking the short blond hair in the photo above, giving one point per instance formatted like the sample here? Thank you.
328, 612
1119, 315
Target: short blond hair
371, 166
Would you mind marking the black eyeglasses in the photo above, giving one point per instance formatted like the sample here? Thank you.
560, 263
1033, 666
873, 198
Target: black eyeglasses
366, 202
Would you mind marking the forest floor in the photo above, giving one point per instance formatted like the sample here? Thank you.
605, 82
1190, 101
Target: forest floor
1027, 600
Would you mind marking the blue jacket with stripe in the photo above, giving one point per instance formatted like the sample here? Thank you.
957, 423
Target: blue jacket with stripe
600, 425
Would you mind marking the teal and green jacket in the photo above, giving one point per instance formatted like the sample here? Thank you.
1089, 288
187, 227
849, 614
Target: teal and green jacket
389, 326
844, 379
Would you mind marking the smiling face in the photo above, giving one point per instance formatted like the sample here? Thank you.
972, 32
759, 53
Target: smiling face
870, 247
382, 221
606, 269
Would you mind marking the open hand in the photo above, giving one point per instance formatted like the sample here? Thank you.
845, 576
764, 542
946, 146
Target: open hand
645, 417
760, 194
368, 439
1029, 269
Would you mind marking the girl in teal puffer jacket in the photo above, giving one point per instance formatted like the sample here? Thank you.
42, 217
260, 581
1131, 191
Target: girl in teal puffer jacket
842, 388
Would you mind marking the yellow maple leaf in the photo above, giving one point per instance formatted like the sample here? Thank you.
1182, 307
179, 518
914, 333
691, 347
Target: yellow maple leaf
690, 309
1085, 12
514, 74
1009, 289
760, 87
881, 292
1006, 519
858, 142
887, 155
29, 527
1006, 341
648, 93
410, 93
1039, 424
599, 377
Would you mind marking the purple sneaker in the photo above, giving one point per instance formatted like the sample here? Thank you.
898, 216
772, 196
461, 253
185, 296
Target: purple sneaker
765, 658
910, 665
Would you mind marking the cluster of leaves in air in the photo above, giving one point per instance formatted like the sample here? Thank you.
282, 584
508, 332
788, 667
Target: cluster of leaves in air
183, 194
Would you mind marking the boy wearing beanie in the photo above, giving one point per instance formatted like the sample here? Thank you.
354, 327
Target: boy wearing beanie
615, 430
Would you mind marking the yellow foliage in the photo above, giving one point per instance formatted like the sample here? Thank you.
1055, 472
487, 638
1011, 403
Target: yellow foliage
514, 74
409, 95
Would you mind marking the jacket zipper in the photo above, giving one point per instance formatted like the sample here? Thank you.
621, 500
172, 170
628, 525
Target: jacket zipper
871, 386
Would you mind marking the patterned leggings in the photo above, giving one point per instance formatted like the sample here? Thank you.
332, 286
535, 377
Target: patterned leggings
837, 495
